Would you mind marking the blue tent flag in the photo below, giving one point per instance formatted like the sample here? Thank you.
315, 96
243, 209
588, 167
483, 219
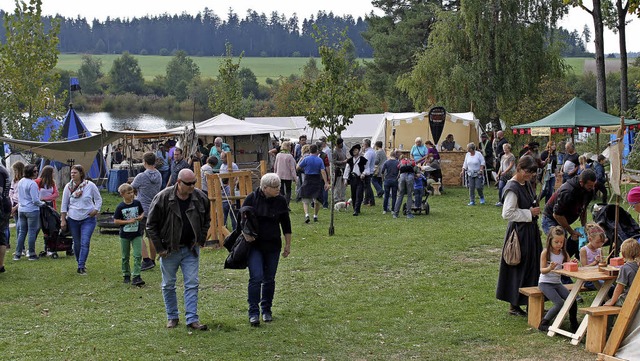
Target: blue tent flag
74, 85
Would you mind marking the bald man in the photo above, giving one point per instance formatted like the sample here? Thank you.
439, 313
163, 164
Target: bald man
177, 225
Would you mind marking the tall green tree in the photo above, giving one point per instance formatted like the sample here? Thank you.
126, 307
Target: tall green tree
335, 96
226, 96
28, 82
396, 37
89, 74
125, 75
181, 71
484, 55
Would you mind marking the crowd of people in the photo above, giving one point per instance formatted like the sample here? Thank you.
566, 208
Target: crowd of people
163, 214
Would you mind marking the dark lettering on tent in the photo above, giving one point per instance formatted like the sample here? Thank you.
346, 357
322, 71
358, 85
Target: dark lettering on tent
436, 122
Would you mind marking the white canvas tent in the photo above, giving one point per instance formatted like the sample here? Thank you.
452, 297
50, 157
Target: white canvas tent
226, 125
362, 126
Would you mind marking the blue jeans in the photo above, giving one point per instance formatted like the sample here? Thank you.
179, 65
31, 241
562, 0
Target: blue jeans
417, 197
226, 209
81, 232
377, 184
29, 223
548, 191
189, 262
165, 177
390, 190
501, 185
405, 186
475, 183
262, 280
368, 192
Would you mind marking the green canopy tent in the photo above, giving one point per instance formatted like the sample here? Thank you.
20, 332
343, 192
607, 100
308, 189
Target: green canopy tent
575, 115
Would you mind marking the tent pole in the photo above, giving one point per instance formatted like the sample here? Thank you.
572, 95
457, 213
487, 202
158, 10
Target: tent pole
597, 143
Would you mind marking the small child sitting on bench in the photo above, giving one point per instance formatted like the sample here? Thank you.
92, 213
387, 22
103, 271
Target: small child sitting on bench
552, 257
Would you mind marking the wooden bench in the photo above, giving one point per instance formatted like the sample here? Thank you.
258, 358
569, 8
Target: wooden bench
535, 307
597, 326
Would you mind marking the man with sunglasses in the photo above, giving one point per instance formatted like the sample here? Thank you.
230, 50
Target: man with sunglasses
177, 224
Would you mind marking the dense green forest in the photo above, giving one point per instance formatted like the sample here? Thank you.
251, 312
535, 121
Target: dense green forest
205, 34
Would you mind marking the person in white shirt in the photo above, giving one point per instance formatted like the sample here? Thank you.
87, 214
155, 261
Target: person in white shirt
81, 202
473, 169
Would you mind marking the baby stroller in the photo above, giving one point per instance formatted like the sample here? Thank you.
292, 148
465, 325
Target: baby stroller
54, 238
433, 171
605, 216
423, 206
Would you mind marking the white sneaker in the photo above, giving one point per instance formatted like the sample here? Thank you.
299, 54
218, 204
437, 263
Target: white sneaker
49, 253
384, 212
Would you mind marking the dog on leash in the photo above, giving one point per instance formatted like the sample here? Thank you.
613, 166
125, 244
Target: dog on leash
342, 205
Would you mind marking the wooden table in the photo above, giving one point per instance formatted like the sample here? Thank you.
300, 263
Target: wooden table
582, 275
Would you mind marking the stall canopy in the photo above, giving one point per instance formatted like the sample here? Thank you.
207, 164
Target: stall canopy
575, 114
226, 125
362, 126
78, 151
78, 147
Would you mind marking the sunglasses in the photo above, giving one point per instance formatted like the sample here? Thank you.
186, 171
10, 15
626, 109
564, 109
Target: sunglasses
188, 184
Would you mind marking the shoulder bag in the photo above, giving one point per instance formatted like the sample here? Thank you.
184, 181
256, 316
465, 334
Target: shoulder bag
511, 250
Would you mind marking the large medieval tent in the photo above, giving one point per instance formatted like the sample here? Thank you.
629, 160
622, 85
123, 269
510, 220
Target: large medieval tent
402, 129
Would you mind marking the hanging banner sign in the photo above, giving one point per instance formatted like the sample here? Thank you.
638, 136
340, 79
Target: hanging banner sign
540, 132
609, 129
437, 116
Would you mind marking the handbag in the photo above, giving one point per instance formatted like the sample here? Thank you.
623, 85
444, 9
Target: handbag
511, 250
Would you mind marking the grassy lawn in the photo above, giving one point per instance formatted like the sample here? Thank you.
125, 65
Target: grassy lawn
380, 289
154, 65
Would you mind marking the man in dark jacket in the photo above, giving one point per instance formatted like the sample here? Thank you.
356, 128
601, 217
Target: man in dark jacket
568, 204
177, 225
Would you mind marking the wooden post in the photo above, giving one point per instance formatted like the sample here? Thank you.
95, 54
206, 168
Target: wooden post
217, 230
196, 171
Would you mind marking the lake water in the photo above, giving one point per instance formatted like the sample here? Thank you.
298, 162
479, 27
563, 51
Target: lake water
113, 121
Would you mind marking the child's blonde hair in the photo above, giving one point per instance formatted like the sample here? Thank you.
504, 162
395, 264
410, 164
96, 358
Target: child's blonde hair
124, 187
630, 250
593, 230
557, 231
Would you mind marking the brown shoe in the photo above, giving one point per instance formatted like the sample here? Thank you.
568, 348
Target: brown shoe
172, 323
197, 326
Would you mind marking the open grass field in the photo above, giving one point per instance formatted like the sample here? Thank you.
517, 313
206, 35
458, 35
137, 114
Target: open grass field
153, 65
380, 289
263, 68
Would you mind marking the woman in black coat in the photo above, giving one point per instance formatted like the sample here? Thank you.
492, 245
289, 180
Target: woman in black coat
272, 214
521, 210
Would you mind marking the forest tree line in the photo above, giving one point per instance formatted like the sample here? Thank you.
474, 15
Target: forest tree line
206, 33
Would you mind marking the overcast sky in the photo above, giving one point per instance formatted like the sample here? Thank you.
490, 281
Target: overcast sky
91, 9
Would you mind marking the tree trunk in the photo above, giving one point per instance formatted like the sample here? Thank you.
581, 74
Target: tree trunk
601, 81
622, 37
332, 180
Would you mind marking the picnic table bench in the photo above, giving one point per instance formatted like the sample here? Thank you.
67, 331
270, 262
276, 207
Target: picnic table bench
597, 326
535, 307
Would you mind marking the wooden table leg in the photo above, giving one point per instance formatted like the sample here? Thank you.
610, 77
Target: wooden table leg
597, 301
555, 327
